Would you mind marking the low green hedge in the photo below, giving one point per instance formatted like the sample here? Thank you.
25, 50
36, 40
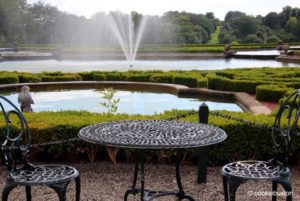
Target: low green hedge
87, 76
29, 78
243, 142
61, 78
185, 80
8, 78
137, 77
202, 82
114, 76
99, 77
226, 84
161, 78
272, 93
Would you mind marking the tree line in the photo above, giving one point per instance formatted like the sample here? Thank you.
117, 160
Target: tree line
41, 23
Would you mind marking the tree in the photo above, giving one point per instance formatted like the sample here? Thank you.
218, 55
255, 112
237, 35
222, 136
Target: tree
291, 25
272, 20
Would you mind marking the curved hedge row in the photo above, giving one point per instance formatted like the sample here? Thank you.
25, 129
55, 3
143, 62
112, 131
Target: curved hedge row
272, 92
176, 77
243, 142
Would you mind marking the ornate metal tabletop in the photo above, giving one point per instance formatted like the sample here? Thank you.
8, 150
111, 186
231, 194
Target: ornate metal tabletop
153, 134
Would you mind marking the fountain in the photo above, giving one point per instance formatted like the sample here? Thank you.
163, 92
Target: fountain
128, 33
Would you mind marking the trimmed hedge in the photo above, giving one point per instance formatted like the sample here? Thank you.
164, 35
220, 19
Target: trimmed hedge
243, 142
9, 78
29, 78
47, 78
202, 82
185, 80
114, 76
99, 77
226, 84
137, 78
161, 78
272, 93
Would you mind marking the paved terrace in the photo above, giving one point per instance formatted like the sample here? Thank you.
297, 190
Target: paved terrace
103, 181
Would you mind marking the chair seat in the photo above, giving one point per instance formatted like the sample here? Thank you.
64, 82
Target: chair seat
44, 175
256, 170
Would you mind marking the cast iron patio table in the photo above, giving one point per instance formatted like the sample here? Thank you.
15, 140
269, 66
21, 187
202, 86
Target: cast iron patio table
154, 135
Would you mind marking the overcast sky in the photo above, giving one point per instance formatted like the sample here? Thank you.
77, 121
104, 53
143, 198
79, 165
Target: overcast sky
158, 7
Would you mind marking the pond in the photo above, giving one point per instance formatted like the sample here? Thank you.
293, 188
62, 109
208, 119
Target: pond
164, 65
259, 52
131, 102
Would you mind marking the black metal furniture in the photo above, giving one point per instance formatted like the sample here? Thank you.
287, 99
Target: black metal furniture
15, 147
153, 134
275, 170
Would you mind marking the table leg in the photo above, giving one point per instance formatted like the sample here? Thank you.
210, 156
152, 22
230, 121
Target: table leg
148, 195
181, 194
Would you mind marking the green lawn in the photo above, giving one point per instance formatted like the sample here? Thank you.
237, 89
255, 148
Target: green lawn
215, 36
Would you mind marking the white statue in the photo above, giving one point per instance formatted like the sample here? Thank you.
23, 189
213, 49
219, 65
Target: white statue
25, 99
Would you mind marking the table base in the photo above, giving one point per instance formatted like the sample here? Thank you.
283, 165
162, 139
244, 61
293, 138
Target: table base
148, 195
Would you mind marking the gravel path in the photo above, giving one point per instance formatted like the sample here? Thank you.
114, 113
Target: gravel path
103, 181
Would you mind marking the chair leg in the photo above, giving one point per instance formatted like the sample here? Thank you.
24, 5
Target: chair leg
6, 191
225, 187
274, 191
77, 181
233, 186
28, 193
288, 189
60, 189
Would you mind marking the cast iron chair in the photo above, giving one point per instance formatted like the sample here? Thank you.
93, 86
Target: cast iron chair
15, 149
275, 170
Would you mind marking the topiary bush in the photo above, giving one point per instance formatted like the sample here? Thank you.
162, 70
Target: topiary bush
161, 78
202, 82
185, 80
137, 77
99, 77
47, 78
27, 78
272, 93
87, 76
9, 78
114, 76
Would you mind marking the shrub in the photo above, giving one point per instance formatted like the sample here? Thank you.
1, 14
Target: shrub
202, 82
114, 76
57, 73
161, 78
99, 77
137, 77
244, 141
225, 84
61, 78
185, 80
27, 78
87, 76
47, 78
9, 78
270, 92
68, 78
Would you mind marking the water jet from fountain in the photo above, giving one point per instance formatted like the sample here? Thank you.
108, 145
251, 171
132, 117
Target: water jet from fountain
128, 33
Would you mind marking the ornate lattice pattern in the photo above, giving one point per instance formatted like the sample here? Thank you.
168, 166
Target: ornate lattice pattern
44, 174
154, 134
254, 170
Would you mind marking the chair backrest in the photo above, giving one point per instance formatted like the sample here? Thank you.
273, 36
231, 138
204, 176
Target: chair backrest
283, 133
15, 135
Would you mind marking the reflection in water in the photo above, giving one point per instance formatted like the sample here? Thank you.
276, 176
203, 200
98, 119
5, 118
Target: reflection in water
130, 102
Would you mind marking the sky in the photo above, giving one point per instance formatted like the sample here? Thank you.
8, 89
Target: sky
157, 7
